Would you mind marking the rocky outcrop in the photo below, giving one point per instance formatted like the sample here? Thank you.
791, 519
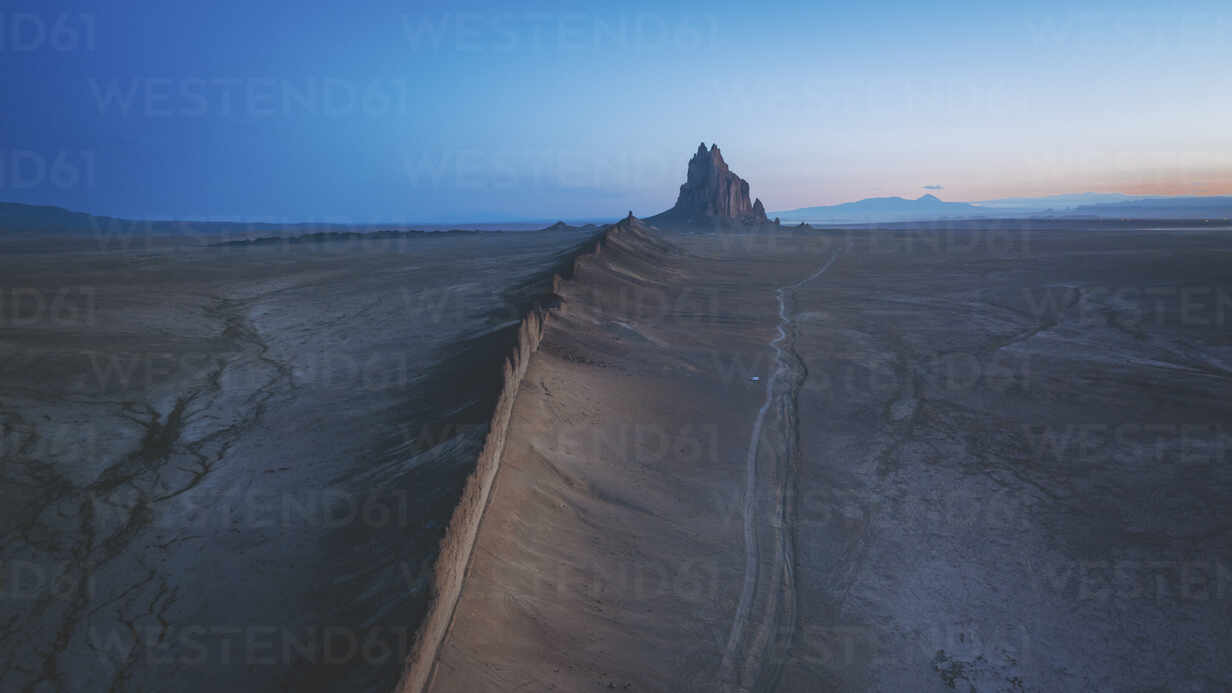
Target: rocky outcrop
459, 540
711, 192
458, 544
562, 226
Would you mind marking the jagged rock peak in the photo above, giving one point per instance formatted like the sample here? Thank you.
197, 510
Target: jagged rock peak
711, 190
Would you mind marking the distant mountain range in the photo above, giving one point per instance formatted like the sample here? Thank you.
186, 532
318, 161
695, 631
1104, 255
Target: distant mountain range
875, 209
1089, 205
1163, 208
1058, 202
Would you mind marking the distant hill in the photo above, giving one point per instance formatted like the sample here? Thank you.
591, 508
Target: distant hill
1056, 203
21, 218
1163, 208
562, 226
380, 234
36, 219
1102, 205
878, 209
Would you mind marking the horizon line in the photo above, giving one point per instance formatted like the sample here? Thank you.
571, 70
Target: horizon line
514, 219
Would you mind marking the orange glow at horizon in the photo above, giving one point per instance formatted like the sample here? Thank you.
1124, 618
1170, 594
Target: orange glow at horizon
1201, 185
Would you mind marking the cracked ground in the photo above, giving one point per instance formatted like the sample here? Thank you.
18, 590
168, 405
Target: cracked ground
230, 466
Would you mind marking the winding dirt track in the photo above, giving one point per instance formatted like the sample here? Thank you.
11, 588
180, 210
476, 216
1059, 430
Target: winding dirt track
761, 663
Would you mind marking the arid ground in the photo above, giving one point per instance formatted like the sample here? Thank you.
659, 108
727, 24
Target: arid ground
230, 467
968, 456
989, 456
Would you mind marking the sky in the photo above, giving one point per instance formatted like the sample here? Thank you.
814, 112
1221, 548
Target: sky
376, 110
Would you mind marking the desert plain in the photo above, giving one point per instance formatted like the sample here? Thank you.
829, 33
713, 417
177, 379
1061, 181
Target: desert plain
920, 457
977, 455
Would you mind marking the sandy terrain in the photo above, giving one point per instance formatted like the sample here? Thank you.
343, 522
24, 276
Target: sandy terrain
972, 457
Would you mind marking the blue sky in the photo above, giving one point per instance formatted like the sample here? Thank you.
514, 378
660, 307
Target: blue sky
380, 110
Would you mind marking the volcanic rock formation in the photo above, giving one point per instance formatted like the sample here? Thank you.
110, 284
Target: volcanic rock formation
713, 193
